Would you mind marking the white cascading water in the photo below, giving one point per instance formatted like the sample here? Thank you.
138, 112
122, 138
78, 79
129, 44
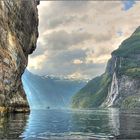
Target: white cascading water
114, 91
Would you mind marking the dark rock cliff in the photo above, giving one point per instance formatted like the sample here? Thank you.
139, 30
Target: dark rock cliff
18, 36
119, 86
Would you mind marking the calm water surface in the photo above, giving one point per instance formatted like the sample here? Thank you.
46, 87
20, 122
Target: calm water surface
71, 125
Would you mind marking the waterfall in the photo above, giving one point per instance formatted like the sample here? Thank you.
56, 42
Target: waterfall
113, 91
120, 62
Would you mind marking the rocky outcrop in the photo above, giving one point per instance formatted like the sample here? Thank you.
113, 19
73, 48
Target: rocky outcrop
124, 68
119, 86
18, 36
124, 90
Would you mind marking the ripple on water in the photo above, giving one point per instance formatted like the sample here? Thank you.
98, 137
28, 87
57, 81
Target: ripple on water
72, 125
70, 136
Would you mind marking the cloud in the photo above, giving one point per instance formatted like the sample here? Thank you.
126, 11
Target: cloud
60, 21
77, 37
55, 13
34, 63
64, 63
77, 61
61, 40
67, 56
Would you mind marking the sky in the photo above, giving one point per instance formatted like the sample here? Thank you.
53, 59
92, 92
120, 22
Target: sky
76, 38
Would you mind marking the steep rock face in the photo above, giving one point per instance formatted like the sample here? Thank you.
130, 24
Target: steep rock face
121, 88
18, 35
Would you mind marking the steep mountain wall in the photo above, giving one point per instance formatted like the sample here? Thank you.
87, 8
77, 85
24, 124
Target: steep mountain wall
18, 36
119, 86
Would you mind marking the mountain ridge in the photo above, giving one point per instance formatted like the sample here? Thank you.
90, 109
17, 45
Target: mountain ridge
43, 92
119, 85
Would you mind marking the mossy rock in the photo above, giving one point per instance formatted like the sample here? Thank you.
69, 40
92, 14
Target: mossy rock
131, 102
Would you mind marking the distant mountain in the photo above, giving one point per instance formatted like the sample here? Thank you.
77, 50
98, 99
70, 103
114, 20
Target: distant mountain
119, 86
50, 92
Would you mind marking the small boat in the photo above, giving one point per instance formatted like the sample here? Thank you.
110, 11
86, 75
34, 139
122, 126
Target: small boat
48, 107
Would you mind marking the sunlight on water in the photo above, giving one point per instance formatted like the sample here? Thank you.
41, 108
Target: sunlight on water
72, 125
56, 124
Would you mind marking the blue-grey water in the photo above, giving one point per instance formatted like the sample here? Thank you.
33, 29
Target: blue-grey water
71, 125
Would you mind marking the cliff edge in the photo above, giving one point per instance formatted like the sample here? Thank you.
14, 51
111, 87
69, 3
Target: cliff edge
18, 36
119, 86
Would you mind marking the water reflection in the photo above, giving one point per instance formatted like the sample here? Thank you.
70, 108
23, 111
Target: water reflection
12, 126
92, 124
129, 124
114, 121
72, 125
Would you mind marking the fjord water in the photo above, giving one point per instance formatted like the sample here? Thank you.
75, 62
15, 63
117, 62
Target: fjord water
72, 125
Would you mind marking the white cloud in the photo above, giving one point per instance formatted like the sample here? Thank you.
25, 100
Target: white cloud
78, 37
35, 63
77, 61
